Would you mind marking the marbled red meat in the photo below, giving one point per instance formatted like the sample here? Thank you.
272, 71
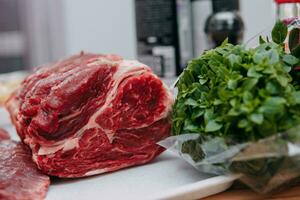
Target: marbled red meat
20, 178
91, 114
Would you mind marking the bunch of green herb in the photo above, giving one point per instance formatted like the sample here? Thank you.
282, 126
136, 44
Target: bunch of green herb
241, 94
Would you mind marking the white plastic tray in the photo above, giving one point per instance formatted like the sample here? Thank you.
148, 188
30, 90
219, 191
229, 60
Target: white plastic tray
167, 177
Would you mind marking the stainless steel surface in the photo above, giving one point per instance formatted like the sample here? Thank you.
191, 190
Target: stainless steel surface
288, 10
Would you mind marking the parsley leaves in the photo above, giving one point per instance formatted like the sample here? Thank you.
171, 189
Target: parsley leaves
238, 93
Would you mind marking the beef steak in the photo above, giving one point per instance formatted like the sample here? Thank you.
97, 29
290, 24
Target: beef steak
91, 114
20, 178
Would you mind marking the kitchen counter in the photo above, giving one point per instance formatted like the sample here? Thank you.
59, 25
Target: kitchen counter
292, 193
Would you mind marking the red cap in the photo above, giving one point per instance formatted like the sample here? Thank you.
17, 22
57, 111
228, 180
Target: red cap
287, 1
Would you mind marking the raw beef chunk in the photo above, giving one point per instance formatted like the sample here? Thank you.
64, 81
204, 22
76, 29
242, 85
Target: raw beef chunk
91, 114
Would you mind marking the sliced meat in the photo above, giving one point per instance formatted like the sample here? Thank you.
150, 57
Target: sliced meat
91, 114
20, 178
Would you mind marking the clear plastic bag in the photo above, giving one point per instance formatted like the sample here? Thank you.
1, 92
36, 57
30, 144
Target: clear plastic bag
266, 165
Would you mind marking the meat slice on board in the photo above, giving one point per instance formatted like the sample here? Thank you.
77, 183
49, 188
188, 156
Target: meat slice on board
91, 114
20, 178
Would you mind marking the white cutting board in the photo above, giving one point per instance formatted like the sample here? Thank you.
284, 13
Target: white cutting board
167, 177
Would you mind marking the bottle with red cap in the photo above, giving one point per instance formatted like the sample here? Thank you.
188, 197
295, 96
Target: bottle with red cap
288, 10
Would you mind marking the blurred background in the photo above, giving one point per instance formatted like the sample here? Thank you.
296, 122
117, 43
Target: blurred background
163, 34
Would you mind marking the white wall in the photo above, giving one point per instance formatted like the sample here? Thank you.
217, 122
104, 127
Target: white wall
258, 15
108, 26
100, 26
43, 30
